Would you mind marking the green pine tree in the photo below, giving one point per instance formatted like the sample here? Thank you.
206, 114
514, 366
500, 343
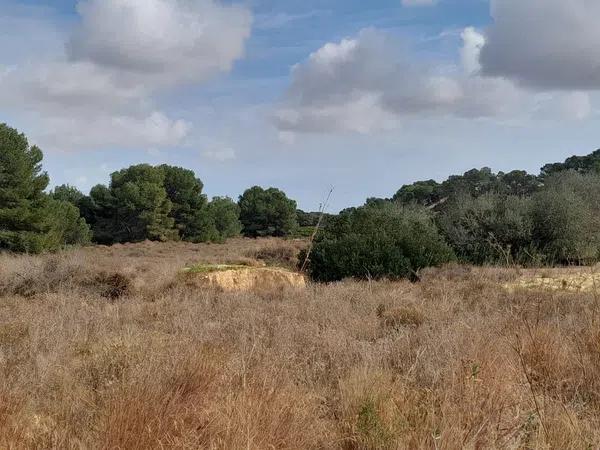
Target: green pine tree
24, 216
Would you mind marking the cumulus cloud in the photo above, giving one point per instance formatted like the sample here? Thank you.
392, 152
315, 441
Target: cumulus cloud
544, 44
368, 83
99, 89
66, 86
105, 131
473, 42
170, 41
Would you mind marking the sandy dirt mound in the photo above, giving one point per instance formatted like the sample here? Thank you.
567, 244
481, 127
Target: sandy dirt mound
247, 279
569, 282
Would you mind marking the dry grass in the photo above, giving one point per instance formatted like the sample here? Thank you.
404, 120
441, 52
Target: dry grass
279, 253
106, 348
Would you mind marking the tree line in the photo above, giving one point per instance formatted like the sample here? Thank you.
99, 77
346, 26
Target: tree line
479, 217
140, 202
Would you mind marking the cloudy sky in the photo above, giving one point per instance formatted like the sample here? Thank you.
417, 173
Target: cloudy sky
301, 94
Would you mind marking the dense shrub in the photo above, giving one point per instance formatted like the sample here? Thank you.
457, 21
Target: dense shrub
489, 229
473, 183
566, 218
384, 241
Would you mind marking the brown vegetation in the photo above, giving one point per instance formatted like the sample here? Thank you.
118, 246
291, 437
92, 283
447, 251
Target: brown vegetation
106, 348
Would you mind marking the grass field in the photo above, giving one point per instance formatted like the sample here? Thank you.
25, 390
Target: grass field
105, 348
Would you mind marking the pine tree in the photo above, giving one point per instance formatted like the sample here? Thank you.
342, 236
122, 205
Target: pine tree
24, 216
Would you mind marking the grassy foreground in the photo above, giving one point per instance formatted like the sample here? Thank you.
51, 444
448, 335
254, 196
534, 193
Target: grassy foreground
104, 348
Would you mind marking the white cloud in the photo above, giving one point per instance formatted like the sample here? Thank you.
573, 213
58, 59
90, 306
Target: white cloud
573, 106
367, 84
97, 87
410, 3
473, 42
170, 41
72, 133
280, 20
544, 44
220, 154
65, 86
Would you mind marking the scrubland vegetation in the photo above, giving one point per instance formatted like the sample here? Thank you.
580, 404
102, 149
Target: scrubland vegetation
435, 331
105, 347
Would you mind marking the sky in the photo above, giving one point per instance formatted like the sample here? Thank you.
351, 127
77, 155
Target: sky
303, 95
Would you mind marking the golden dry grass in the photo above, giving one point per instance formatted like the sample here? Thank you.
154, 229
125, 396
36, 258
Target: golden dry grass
105, 348
565, 279
244, 279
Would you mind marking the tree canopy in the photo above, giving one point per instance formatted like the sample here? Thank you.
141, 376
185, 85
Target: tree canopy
267, 212
31, 220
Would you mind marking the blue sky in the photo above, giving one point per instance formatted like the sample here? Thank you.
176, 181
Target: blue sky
301, 95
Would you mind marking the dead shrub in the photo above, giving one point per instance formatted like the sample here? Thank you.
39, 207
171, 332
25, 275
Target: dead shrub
113, 285
102, 365
268, 412
448, 272
166, 408
28, 276
400, 317
11, 432
13, 334
281, 254
559, 369
377, 411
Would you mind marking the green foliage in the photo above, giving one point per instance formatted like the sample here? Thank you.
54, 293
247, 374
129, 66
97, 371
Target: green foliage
184, 191
489, 229
220, 220
307, 219
225, 214
30, 220
267, 212
67, 193
133, 208
23, 212
386, 241
67, 228
566, 218
304, 232
581, 164
421, 193
474, 183
517, 182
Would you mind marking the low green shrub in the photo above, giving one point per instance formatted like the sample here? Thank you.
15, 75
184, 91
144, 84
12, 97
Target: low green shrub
382, 241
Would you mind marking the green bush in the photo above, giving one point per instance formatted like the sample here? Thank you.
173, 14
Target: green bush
489, 229
566, 218
386, 241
